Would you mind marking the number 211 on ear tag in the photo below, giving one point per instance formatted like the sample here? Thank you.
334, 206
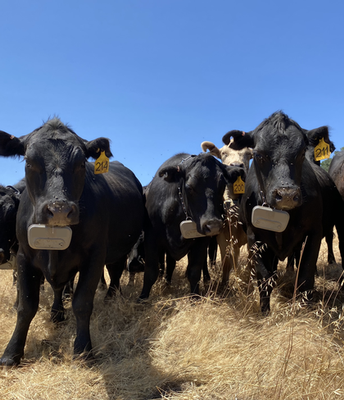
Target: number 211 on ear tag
101, 166
322, 150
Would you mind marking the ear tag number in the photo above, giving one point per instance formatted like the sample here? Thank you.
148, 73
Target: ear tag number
101, 165
322, 150
239, 186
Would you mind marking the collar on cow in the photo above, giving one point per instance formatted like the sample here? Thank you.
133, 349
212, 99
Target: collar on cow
181, 187
260, 183
181, 197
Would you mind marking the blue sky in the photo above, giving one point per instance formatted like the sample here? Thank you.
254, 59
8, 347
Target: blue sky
158, 77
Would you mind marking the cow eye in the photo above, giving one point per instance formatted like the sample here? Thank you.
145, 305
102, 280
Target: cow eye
259, 157
189, 188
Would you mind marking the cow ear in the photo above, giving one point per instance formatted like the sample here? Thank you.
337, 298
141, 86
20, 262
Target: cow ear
213, 150
231, 174
11, 146
241, 139
315, 135
170, 174
96, 146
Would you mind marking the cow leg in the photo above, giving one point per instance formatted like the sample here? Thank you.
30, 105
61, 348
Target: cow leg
170, 267
29, 287
330, 254
83, 306
151, 266
308, 263
57, 309
196, 256
115, 271
265, 263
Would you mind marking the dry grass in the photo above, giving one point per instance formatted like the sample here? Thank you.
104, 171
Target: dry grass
172, 347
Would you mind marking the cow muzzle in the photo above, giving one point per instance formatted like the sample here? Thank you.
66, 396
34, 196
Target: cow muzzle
212, 227
287, 198
60, 213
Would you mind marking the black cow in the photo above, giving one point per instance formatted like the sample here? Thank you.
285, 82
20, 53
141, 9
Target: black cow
184, 187
105, 213
333, 206
280, 177
9, 203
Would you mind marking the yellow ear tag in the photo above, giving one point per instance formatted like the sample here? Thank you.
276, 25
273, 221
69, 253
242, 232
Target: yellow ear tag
239, 186
101, 166
322, 150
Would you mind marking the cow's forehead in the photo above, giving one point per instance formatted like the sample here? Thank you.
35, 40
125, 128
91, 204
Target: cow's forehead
292, 139
47, 139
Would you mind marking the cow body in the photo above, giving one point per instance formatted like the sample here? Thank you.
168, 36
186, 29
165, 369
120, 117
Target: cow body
283, 179
105, 213
185, 187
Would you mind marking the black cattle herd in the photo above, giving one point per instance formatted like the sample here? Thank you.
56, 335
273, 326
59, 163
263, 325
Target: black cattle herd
69, 215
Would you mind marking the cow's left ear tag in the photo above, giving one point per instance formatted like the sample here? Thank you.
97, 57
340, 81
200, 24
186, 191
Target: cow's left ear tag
239, 186
322, 150
101, 166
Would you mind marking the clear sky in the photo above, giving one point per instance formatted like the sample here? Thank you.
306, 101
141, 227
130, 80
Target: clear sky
158, 77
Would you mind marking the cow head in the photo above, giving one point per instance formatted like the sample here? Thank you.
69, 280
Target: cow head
235, 158
9, 202
201, 181
55, 169
279, 145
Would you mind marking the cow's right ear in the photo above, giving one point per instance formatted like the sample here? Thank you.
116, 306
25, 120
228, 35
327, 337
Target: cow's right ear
11, 146
241, 139
213, 150
96, 146
171, 174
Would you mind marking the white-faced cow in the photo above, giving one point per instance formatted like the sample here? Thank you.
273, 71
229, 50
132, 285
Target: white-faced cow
105, 213
184, 188
282, 179
233, 236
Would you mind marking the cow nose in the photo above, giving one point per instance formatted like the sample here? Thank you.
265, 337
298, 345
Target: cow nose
61, 213
212, 227
237, 164
287, 198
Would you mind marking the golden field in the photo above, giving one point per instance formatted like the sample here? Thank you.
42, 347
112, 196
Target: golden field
174, 347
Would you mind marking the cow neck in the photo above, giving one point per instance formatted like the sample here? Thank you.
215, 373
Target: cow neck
260, 184
181, 189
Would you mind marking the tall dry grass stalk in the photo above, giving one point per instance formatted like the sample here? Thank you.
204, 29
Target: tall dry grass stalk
218, 347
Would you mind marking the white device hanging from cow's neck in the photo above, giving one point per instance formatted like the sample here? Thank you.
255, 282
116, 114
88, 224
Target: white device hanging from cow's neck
44, 237
264, 217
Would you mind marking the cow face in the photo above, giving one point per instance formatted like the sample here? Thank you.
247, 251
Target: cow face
235, 158
202, 181
279, 146
9, 201
55, 169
